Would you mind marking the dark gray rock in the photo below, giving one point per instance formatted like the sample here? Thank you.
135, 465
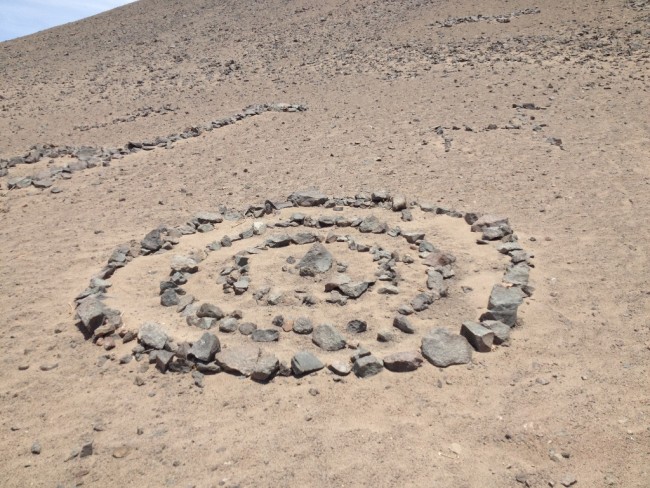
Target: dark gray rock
480, 337
152, 335
488, 221
436, 283
169, 298
303, 238
210, 310
152, 241
354, 289
307, 198
238, 360
184, 264
266, 367
517, 274
367, 366
399, 203
401, 362
501, 331
317, 260
413, 237
443, 348
304, 362
402, 323
163, 358
281, 240
247, 328
209, 218
208, 368
302, 325
205, 348
372, 224
422, 301
503, 304
357, 326
328, 338
265, 335
91, 313
228, 324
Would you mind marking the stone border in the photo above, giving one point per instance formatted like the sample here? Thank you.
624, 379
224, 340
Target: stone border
205, 356
91, 157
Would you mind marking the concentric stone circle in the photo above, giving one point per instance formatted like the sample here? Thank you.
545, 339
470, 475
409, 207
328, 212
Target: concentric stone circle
351, 284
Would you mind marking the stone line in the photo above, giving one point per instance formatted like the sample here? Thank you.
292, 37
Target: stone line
503, 18
439, 346
90, 157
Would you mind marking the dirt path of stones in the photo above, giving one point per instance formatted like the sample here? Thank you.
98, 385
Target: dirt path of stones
86, 157
356, 285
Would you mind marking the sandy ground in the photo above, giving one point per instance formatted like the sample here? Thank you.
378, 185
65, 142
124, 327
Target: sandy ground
379, 78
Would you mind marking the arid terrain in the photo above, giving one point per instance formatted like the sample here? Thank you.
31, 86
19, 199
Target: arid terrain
536, 111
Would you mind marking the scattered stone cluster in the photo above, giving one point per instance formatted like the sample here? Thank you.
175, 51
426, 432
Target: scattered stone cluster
91, 157
503, 18
439, 346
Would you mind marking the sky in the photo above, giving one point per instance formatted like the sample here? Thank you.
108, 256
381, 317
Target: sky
23, 17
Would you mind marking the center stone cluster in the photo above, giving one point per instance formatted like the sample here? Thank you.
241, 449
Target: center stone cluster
319, 266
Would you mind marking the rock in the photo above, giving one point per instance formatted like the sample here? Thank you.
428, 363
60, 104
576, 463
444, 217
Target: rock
402, 323
503, 304
278, 321
371, 224
307, 198
399, 203
517, 274
274, 297
247, 328
401, 362
317, 260
480, 337
413, 237
184, 264
436, 283
265, 335
204, 323
489, 221
205, 348
501, 331
354, 289
48, 366
357, 326
304, 362
303, 238
208, 368
367, 366
443, 348
169, 298
228, 324
209, 310
163, 358
91, 313
266, 367
152, 241
152, 335
281, 240
238, 360
36, 448
385, 335
421, 301
328, 338
86, 450
388, 290
303, 325
340, 368
568, 480
209, 218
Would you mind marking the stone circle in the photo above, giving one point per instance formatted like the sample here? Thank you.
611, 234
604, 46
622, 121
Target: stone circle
366, 285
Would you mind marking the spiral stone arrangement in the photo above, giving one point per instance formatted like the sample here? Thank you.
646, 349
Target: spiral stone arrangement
356, 284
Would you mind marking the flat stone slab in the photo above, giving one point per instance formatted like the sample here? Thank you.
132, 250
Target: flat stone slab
304, 362
401, 362
238, 360
442, 348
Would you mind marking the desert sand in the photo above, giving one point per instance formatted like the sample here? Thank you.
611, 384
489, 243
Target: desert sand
539, 112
